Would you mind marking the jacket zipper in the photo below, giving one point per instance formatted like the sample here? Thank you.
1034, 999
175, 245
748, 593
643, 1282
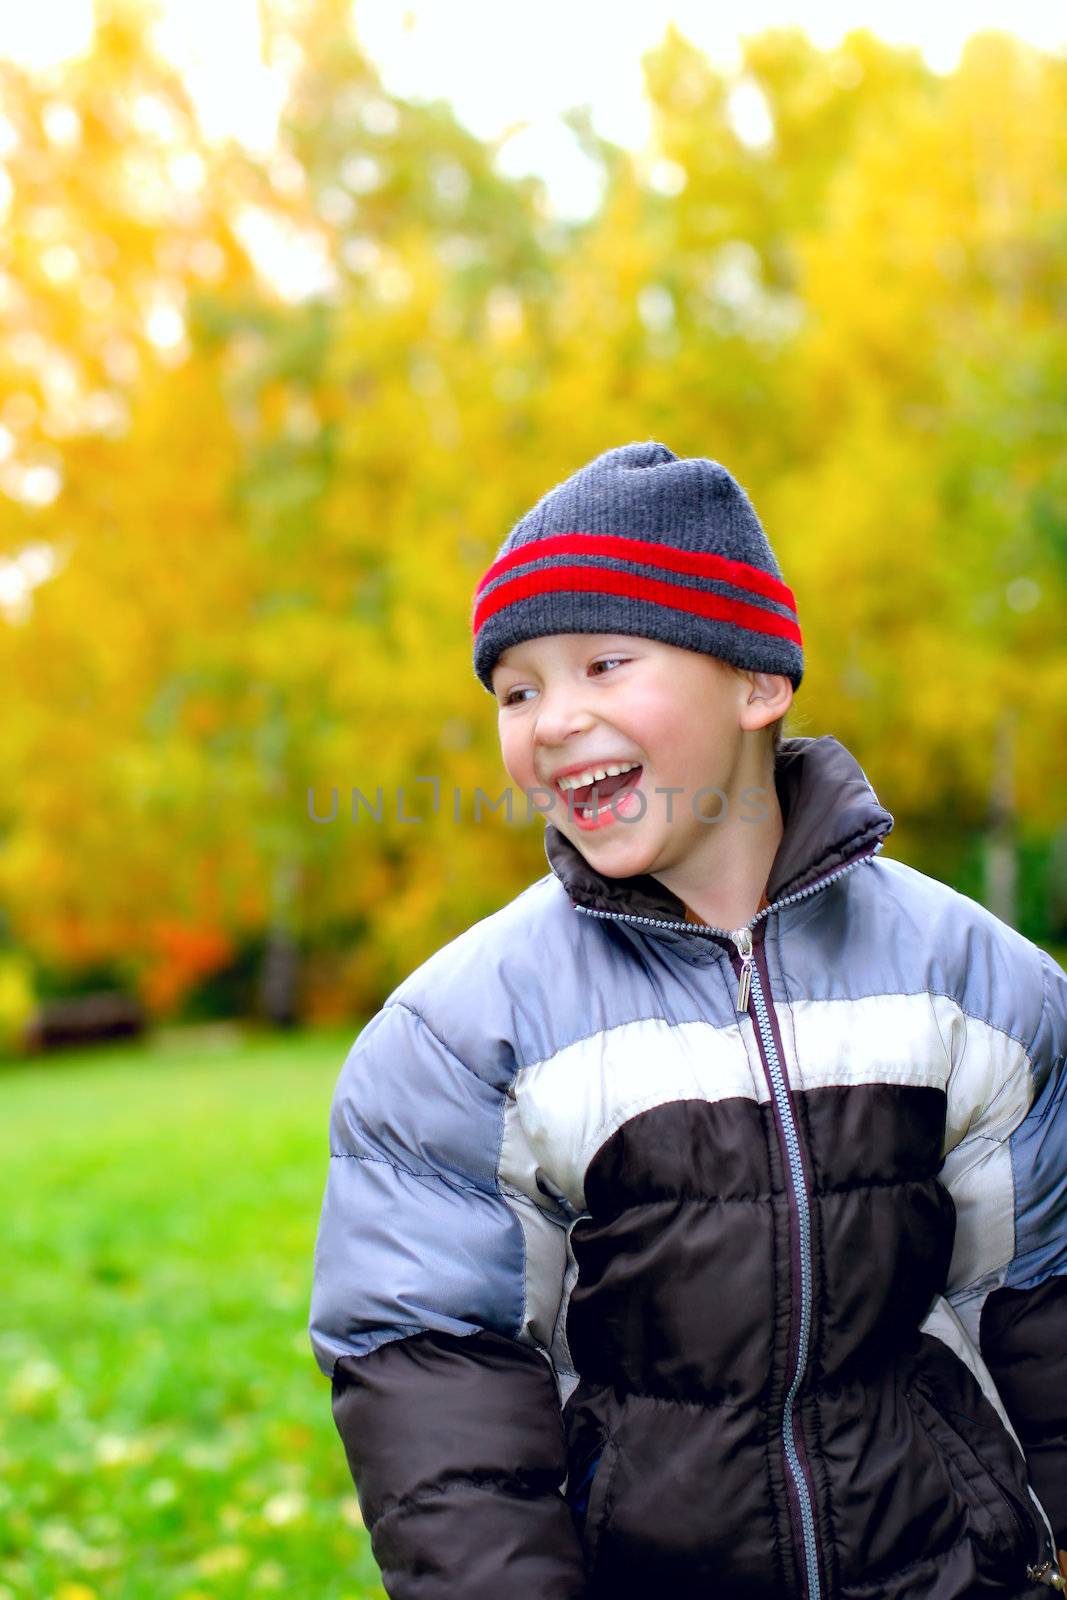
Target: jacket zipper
749, 986
749, 991
1047, 1572
801, 1209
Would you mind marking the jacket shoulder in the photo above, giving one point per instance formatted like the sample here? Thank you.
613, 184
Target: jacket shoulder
989, 968
480, 992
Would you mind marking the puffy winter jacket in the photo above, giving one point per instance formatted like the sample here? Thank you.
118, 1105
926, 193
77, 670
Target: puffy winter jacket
627, 1292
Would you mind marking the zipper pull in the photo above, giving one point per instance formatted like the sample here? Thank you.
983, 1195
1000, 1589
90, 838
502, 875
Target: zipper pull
743, 940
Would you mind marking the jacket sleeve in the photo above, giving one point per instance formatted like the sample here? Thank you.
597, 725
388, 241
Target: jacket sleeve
1008, 1177
437, 1290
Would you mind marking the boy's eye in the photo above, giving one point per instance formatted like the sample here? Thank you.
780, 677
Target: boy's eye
607, 661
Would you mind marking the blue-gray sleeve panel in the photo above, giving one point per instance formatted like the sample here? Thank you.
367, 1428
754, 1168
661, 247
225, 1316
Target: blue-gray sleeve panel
1039, 1148
415, 1233
887, 929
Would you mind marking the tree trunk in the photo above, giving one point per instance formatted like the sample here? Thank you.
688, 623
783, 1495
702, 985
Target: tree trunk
280, 972
1001, 868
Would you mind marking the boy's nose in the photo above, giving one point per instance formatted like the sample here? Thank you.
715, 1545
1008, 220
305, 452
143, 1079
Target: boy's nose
563, 711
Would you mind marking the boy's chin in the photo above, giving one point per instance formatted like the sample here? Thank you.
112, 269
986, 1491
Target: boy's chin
609, 850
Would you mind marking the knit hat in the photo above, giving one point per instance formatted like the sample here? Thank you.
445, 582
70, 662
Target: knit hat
642, 542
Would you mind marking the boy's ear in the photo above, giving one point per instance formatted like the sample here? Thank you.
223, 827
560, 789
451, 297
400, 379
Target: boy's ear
771, 689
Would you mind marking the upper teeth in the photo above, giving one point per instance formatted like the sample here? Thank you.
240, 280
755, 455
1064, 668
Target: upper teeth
578, 780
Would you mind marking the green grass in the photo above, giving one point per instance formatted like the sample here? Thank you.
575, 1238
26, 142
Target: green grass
165, 1433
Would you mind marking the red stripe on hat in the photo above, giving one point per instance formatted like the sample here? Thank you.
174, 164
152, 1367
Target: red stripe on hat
647, 553
604, 580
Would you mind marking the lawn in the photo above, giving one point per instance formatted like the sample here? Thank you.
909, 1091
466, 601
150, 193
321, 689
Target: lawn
165, 1433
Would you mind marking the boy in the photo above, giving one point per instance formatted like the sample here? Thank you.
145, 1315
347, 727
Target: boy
697, 1223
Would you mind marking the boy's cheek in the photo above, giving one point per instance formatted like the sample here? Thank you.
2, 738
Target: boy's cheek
518, 759
521, 778
512, 766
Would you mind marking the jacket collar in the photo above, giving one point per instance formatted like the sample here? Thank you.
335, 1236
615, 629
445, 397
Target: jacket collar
830, 816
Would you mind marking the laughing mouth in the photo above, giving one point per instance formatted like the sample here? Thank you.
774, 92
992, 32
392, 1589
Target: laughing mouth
593, 798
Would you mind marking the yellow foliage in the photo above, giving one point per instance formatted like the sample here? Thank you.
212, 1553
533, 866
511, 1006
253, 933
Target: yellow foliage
265, 515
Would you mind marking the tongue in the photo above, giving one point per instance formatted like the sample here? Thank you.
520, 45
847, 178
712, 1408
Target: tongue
605, 788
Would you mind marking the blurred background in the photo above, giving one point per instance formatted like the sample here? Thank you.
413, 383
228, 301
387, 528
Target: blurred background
302, 304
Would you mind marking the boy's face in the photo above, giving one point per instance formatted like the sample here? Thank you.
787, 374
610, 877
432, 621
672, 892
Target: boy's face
587, 701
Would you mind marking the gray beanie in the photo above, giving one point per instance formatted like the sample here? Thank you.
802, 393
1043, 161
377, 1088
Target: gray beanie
642, 542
